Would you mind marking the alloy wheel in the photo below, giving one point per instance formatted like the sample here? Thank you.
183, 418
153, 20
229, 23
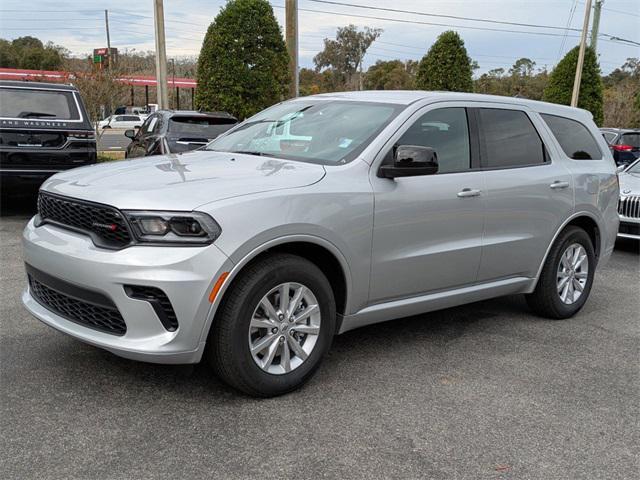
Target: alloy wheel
573, 273
284, 328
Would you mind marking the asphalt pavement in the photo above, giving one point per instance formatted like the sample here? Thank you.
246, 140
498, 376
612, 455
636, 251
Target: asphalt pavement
484, 391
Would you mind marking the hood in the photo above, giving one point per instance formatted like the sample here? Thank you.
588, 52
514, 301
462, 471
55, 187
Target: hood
181, 182
629, 183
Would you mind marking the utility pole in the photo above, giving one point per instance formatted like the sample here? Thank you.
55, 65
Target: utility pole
583, 46
106, 24
161, 56
291, 33
595, 26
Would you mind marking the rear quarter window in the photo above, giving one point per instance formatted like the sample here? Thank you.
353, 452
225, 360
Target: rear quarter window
632, 139
574, 138
38, 104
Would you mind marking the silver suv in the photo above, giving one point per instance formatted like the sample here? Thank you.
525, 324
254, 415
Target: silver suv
320, 215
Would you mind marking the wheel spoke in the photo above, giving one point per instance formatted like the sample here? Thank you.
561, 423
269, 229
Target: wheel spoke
263, 343
285, 357
262, 323
295, 301
562, 283
303, 315
575, 256
565, 291
582, 274
297, 348
570, 292
271, 353
578, 286
310, 329
268, 308
284, 298
579, 262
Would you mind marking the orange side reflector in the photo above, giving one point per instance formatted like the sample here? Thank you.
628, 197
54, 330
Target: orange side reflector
217, 286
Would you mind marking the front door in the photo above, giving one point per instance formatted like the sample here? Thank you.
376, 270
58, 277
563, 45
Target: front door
428, 230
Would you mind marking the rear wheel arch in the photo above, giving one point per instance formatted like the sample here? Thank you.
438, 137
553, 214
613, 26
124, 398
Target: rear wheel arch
586, 222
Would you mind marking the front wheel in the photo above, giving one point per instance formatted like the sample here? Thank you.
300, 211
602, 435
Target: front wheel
567, 276
273, 327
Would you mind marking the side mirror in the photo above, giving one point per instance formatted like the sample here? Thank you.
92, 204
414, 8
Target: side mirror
411, 161
130, 134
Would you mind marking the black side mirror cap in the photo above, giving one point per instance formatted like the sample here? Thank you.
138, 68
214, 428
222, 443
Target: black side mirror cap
411, 161
130, 134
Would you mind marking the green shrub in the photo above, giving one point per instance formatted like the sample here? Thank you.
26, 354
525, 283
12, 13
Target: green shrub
446, 66
560, 87
243, 63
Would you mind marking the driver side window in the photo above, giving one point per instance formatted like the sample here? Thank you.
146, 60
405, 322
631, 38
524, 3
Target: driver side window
445, 130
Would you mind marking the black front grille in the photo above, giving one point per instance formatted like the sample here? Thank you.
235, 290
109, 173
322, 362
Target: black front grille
158, 300
106, 225
103, 316
629, 206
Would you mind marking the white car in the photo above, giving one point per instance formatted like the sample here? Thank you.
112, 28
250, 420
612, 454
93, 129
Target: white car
122, 121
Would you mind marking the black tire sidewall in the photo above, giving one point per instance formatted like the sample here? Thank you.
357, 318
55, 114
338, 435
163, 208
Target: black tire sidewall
297, 270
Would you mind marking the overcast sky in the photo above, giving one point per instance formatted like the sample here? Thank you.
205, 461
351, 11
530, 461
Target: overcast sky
79, 26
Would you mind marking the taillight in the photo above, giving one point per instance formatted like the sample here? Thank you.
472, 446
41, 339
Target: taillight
622, 148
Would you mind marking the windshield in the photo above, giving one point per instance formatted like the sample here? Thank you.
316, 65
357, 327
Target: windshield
634, 168
200, 126
41, 104
326, 132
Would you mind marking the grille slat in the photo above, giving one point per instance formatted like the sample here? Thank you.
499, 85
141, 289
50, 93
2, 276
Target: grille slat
629, 206
106, 225
98, 317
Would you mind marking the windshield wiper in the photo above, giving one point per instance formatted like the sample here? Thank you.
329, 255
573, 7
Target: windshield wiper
251, 152
35, 114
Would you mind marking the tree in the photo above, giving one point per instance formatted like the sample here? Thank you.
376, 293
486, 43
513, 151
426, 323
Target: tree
343, 56
29, 52
391, 75
622, 96
446, 66
561, 80
243, 63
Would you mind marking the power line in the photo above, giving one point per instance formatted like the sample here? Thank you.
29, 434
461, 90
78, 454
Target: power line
456, 17
438, 15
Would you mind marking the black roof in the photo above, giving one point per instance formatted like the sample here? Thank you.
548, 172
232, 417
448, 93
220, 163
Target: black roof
42, 85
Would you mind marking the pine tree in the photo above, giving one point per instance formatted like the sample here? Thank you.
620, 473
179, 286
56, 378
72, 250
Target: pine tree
560, 85
446, 66
243, 63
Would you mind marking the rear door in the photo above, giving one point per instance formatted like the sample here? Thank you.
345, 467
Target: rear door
529, 191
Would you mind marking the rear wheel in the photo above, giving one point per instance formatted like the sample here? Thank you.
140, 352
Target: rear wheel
565, 282
274, 326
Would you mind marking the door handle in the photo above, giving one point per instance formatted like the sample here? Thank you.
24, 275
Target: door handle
559, 184
469, 192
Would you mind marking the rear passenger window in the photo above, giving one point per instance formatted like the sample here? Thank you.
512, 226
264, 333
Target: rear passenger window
510, 139
446, 131
574, 138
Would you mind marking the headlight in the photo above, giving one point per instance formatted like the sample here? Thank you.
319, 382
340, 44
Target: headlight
190, 228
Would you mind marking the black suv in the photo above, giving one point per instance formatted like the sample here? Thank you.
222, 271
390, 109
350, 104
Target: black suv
169, 131
44, 129
623, 143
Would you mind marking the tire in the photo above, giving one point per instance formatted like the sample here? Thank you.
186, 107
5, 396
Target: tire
546, 300
231, 337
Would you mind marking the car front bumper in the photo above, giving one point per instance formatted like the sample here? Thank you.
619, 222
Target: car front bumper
185, 274
629, 228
